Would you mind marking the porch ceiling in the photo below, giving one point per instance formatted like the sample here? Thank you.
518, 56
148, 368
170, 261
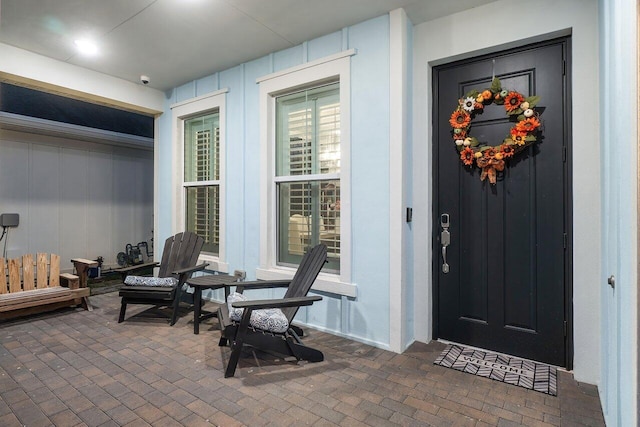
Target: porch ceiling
176, 41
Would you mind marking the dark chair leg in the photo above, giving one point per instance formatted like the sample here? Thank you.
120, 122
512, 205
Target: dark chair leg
236, 349
123, 308
302, 352
237, 342
174, 315
176, 304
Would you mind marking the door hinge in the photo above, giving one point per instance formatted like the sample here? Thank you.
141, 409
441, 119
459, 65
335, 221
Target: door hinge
565, 328
564, 154
564, 68
564, 240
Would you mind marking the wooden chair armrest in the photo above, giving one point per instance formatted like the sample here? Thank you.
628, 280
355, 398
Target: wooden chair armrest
185, 273
260, 284
277, 303
191, 269
86, 262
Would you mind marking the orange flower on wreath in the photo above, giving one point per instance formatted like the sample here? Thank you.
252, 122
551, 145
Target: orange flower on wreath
467, 156
460, 119
461, 135
512, 101
507, 150
518, 136
528, 125
519, 140
489, 153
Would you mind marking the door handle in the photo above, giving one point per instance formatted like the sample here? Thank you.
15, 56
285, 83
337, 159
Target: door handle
445, 240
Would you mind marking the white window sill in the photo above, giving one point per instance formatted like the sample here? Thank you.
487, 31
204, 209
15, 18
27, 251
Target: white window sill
214, 263
325, 282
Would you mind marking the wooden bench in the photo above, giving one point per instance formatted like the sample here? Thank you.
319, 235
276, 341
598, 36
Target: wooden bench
28, 287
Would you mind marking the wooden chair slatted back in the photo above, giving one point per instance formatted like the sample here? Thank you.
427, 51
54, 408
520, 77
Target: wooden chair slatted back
28, 282
54, 271
3, 277
42, 269
180, 251
307, 272
15, 282
42, 264
24, 274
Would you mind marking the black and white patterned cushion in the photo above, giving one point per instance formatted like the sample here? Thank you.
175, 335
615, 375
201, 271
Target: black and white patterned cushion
269, 319
150, 281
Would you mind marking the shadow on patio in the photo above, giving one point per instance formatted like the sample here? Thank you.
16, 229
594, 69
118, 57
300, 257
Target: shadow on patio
73, 367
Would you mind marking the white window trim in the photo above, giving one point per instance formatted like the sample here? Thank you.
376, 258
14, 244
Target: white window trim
179, 112
315, 72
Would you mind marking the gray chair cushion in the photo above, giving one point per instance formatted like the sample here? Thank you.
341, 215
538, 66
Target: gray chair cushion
269, 319
150, 281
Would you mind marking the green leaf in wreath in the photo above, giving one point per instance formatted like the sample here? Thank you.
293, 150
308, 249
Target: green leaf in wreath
521, 117
508, 141
472, 93
514, 112
496, 86
533, 100
530, 138
474, 141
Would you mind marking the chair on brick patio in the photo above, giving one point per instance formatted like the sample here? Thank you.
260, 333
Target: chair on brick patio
179, 259
266, 324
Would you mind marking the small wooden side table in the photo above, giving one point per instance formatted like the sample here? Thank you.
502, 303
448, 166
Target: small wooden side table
82, 267
210, 281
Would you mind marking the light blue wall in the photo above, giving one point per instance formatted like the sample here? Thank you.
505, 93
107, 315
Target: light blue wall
367, 316
619, 352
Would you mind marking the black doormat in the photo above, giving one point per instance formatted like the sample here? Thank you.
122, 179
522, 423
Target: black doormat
507, 369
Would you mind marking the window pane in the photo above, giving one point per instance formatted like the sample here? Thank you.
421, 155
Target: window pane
202, 148
308, 132
309, 213
203, 215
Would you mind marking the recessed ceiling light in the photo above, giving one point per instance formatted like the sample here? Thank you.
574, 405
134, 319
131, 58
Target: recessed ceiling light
86, 47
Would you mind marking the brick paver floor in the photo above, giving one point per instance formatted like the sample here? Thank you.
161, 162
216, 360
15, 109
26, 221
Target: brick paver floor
79, 368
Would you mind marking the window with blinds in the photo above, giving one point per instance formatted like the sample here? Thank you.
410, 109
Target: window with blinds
308, 173
202, 179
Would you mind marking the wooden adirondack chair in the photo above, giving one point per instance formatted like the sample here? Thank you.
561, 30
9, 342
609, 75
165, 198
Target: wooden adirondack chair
288, 343
179, 259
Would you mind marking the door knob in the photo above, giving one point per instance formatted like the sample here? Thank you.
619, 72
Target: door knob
445, 240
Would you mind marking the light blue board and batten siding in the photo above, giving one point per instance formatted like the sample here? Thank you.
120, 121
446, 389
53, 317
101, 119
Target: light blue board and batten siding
619, 349
366, 317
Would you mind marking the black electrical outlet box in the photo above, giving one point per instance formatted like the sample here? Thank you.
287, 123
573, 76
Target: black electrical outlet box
9, 220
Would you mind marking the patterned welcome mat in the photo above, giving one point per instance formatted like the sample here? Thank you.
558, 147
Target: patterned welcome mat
510, 370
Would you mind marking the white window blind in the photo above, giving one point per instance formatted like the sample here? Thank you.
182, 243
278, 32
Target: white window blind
308, 173
202, 179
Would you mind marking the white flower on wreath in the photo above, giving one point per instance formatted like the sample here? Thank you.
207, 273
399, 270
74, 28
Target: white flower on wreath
468, 104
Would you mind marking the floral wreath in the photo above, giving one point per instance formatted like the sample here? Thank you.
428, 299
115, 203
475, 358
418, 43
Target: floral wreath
491, 159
